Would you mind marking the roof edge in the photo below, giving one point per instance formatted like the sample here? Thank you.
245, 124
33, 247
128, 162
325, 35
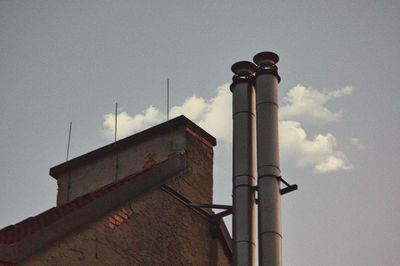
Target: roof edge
170, 124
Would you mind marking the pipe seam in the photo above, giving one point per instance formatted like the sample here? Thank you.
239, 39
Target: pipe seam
246, 112
246, 241
268, 165
272, 176
235, 176
267, 102
270, 232
248, 181
243, 185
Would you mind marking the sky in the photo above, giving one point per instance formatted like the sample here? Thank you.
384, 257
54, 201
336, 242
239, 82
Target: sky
71, 61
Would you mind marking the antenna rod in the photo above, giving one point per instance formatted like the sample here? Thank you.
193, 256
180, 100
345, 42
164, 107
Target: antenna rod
115, 140
115, 126
167, 99
69, 139
69, 171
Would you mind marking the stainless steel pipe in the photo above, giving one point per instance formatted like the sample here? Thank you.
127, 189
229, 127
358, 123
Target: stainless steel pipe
243, 212
268, 168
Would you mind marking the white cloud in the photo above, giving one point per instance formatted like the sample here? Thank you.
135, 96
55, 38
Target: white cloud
218, 118
193, 108
308, 105
214, 115
127, 125
333, 163
319, 152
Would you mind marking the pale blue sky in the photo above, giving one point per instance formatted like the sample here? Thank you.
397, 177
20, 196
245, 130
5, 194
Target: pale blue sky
63, 61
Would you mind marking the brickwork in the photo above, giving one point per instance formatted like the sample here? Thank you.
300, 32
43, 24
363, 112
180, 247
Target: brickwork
159, 231
199, 184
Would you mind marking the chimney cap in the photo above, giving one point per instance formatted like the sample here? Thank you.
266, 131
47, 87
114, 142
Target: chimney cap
268, 58
243, 66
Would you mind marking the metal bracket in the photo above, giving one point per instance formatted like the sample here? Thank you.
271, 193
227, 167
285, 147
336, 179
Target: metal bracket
227, 208
210, 206
198, 206
288, 188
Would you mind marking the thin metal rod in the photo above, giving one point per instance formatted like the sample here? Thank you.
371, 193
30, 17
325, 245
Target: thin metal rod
69, 171
167, 99
115, 126
223, 214
184, 200
69, 139
115, 141
210, 206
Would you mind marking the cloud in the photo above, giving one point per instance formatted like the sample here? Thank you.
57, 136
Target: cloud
127, 125
213, 115
308, 105
320, 152
218, 118
193, 108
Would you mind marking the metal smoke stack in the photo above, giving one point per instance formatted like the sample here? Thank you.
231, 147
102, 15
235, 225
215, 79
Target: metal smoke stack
243, 213
268, 168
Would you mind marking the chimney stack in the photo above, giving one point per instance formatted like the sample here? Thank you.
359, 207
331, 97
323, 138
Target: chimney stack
243, 215
268, 169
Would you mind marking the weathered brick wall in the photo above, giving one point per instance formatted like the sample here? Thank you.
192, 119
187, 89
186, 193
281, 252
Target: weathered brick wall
223, 257
198, 186
153, 230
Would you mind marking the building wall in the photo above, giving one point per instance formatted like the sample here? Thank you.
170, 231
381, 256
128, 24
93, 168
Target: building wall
198, 186
160, 231
101, 170
155, 229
